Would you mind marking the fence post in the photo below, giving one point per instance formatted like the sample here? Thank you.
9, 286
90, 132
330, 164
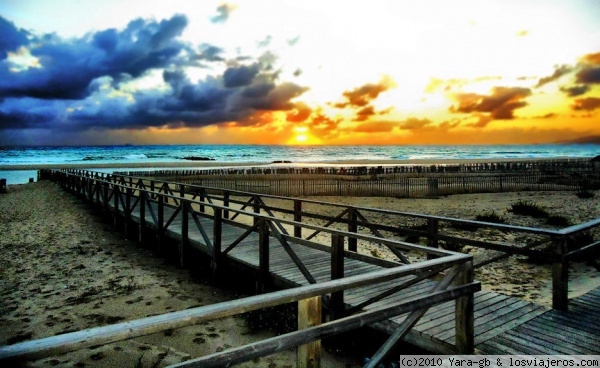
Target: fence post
560, 275
337, 272
263, 256
465, 319
352, 228
184, 233
309, 315
297, 218
217, 227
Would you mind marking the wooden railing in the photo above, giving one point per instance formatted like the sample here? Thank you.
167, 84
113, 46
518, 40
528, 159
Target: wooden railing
157, 205
558, 247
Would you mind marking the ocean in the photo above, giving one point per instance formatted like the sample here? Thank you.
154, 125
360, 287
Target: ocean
12, 159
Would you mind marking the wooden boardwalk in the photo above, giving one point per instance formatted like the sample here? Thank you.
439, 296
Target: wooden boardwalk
495, 314
576, 332
458, 319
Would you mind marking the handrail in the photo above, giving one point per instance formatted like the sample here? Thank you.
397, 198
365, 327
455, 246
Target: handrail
370, 209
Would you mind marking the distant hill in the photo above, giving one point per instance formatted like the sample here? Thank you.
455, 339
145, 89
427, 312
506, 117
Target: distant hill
591, 139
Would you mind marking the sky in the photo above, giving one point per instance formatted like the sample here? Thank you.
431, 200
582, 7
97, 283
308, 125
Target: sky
82, 72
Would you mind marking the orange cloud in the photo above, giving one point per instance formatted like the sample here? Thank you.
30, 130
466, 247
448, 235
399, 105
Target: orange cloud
363, 95
501, 104
587, 104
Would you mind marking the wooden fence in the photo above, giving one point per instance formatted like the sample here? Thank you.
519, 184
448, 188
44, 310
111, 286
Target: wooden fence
398, 186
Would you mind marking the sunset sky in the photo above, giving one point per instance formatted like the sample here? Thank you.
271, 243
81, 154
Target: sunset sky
299, 72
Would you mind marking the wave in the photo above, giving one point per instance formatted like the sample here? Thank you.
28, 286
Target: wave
135, 156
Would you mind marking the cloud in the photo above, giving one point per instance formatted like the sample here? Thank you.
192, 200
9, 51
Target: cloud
501, 104
300, 113
376, 127
209, 53
575, 91
522, 33
293, 41
414, 123
264, 43
67, 67
363, 95
223, 10
11, 37
240, 76
589, 72
586, 104
559, 71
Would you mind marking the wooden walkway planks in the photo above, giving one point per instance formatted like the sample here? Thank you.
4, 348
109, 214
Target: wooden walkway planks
503, 325
576, 332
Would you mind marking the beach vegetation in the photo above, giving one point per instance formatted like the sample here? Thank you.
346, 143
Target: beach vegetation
558, 220
492, 217
376, 253
585, 194
527, 208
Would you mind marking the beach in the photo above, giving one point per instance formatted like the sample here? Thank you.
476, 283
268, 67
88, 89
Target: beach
63, 269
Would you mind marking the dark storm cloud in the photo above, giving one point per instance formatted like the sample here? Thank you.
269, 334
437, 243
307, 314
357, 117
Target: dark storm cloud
559, 71
501, 104
240, 76
69, 66
80, 82
575, 91
11, 37
223, 10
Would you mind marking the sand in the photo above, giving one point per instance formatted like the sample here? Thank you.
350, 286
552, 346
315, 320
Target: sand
62, 269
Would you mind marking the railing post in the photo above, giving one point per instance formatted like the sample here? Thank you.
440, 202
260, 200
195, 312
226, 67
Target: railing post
560, 275
152, 189
184, 233
337, 272
142, 229
263, 256
297, 218
127, 209
217, 227
116, 194
465, 319
105, 197
352, 228
309, 315
161, 223
202, 197
226, 204
432, 235
256, 208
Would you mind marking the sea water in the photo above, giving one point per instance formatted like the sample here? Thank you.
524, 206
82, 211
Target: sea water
159, 156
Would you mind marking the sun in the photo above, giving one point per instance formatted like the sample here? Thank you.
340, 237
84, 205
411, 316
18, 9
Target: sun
301, 138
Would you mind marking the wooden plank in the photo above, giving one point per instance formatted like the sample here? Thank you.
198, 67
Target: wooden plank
557, 335
573, 333
445, 330
435, 323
